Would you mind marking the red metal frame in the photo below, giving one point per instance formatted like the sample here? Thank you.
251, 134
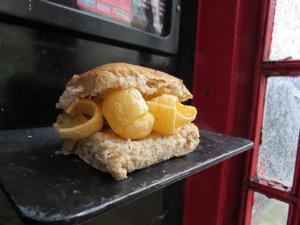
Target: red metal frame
228, 92
223, 75
266, 30
291, 197
266, 68
296, 187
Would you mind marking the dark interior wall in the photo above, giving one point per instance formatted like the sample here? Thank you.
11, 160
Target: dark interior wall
36, 64
37, 60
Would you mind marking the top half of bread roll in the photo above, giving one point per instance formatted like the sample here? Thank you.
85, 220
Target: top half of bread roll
97, 82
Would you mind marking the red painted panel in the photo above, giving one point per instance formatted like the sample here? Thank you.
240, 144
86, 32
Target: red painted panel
201, 197
224, 59
213, 60
214, 49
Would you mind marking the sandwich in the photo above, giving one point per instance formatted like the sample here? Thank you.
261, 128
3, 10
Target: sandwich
120, 117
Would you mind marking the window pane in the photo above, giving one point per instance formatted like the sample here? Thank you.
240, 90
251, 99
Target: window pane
286, 31
280, 130
268, 211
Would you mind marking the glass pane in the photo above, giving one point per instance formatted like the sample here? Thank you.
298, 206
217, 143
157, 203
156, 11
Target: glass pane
268, 211
280, 130
286, 31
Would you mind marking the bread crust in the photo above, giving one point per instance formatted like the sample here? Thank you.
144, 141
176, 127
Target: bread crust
97, 82
108, 153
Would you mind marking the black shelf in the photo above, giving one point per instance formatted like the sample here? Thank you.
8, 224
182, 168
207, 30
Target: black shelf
46, 188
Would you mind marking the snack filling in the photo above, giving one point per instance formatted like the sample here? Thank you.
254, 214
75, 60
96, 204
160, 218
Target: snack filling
127, 113
169, 114
81, 119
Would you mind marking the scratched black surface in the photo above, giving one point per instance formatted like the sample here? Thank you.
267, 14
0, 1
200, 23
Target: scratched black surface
46, 188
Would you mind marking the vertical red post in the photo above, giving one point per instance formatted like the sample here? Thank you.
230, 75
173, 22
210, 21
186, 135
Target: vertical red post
223, 77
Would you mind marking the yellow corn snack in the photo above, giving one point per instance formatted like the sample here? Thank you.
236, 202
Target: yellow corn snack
185, 114
126, 112
164, 116
165, 99
139, 128
83, 118
170, 115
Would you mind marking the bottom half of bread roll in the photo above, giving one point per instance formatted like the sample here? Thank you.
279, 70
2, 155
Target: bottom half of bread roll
108, 153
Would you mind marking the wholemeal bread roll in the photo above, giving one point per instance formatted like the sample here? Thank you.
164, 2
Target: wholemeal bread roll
105, 150
97, 82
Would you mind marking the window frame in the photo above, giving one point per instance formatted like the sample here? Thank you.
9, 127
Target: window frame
264, 69
226, 88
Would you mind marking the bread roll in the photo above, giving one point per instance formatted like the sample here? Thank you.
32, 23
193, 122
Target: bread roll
105, 150
97, 82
